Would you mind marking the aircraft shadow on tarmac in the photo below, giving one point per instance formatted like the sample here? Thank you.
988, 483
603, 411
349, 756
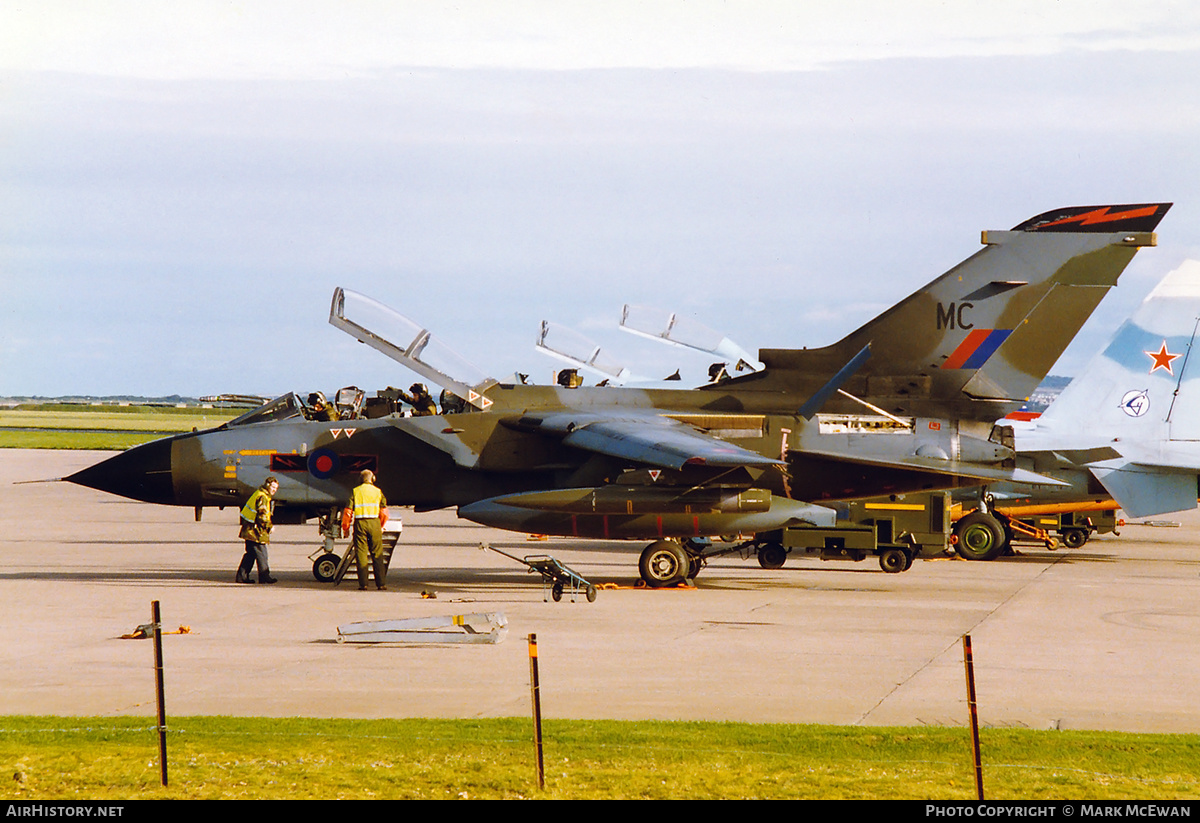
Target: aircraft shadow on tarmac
1034, 556
132, 577
85, 541
1076, 556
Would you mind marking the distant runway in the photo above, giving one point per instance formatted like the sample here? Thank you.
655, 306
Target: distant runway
1104, 637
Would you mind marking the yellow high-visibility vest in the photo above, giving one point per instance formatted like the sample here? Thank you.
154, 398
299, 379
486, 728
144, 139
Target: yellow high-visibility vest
250, 510
365, 501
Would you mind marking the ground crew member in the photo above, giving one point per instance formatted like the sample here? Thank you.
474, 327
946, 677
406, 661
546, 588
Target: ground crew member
256, 531
420, 399
368, 507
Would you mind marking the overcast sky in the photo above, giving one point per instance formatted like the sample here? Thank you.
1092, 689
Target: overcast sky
184, 184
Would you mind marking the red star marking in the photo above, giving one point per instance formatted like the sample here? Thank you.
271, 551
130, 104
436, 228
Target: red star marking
1162, 359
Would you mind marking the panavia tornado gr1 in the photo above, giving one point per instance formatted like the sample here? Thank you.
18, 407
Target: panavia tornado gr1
905, 403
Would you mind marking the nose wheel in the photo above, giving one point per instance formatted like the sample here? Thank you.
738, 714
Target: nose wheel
325, 567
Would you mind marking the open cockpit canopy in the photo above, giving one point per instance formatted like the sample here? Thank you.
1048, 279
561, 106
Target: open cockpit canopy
406, 342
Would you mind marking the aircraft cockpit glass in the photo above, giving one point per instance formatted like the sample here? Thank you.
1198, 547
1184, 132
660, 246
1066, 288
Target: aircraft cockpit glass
281, 408
669, 327
572, 347
349, 402
408, 343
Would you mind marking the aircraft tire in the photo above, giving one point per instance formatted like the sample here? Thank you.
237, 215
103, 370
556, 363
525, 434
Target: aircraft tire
1074, 538
663, 563
590, 593
325, 567
894, 561
771, 556
556, 592
980, 537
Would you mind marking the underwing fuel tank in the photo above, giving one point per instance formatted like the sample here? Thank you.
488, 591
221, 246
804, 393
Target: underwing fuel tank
631, 512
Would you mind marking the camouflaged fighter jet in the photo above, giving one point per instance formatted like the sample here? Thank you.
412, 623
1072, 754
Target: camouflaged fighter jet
1127, 429
906, 402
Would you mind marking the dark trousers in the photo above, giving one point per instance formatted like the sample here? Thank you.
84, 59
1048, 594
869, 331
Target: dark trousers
255, 553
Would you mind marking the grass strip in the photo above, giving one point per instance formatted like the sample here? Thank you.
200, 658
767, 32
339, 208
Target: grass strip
107, 427
300, 758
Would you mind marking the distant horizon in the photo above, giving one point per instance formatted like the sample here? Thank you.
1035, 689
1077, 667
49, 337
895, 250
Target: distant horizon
1050, 381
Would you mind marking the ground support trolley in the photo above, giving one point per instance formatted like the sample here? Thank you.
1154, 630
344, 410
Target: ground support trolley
894, 529
556, 578
1074, 525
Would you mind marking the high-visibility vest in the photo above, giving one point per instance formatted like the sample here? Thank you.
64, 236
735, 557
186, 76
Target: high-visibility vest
365, 501
250, 510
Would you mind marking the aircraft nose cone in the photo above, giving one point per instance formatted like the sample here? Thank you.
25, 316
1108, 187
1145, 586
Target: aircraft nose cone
141, 473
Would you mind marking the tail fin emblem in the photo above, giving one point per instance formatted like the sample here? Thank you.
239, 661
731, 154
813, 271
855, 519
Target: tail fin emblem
1135, 403
975, 350
1104, 215
1162, 359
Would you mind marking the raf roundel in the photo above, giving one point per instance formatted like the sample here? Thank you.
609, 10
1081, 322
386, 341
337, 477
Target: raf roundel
323, 463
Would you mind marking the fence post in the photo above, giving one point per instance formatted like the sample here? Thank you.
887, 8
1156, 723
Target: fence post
969, 663
537, 710
158, 682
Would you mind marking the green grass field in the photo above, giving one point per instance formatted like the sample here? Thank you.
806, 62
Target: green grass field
297, 758
72, 426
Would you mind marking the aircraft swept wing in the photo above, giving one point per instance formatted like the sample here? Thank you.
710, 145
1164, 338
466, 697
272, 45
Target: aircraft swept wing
755, 452
976, 471
650, 439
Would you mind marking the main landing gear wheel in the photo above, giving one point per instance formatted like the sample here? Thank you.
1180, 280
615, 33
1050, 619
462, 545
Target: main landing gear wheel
980, 537
556, 592
325, 567
771, 556
663, 563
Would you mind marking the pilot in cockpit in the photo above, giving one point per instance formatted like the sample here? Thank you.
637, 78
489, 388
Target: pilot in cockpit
319, 408
569, 379
451, 402
420, 399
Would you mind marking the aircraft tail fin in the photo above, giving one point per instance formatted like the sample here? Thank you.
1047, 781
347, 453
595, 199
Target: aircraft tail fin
984, 334
1141, 397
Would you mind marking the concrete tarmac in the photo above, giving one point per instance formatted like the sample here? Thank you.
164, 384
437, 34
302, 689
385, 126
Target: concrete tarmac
1103, 637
